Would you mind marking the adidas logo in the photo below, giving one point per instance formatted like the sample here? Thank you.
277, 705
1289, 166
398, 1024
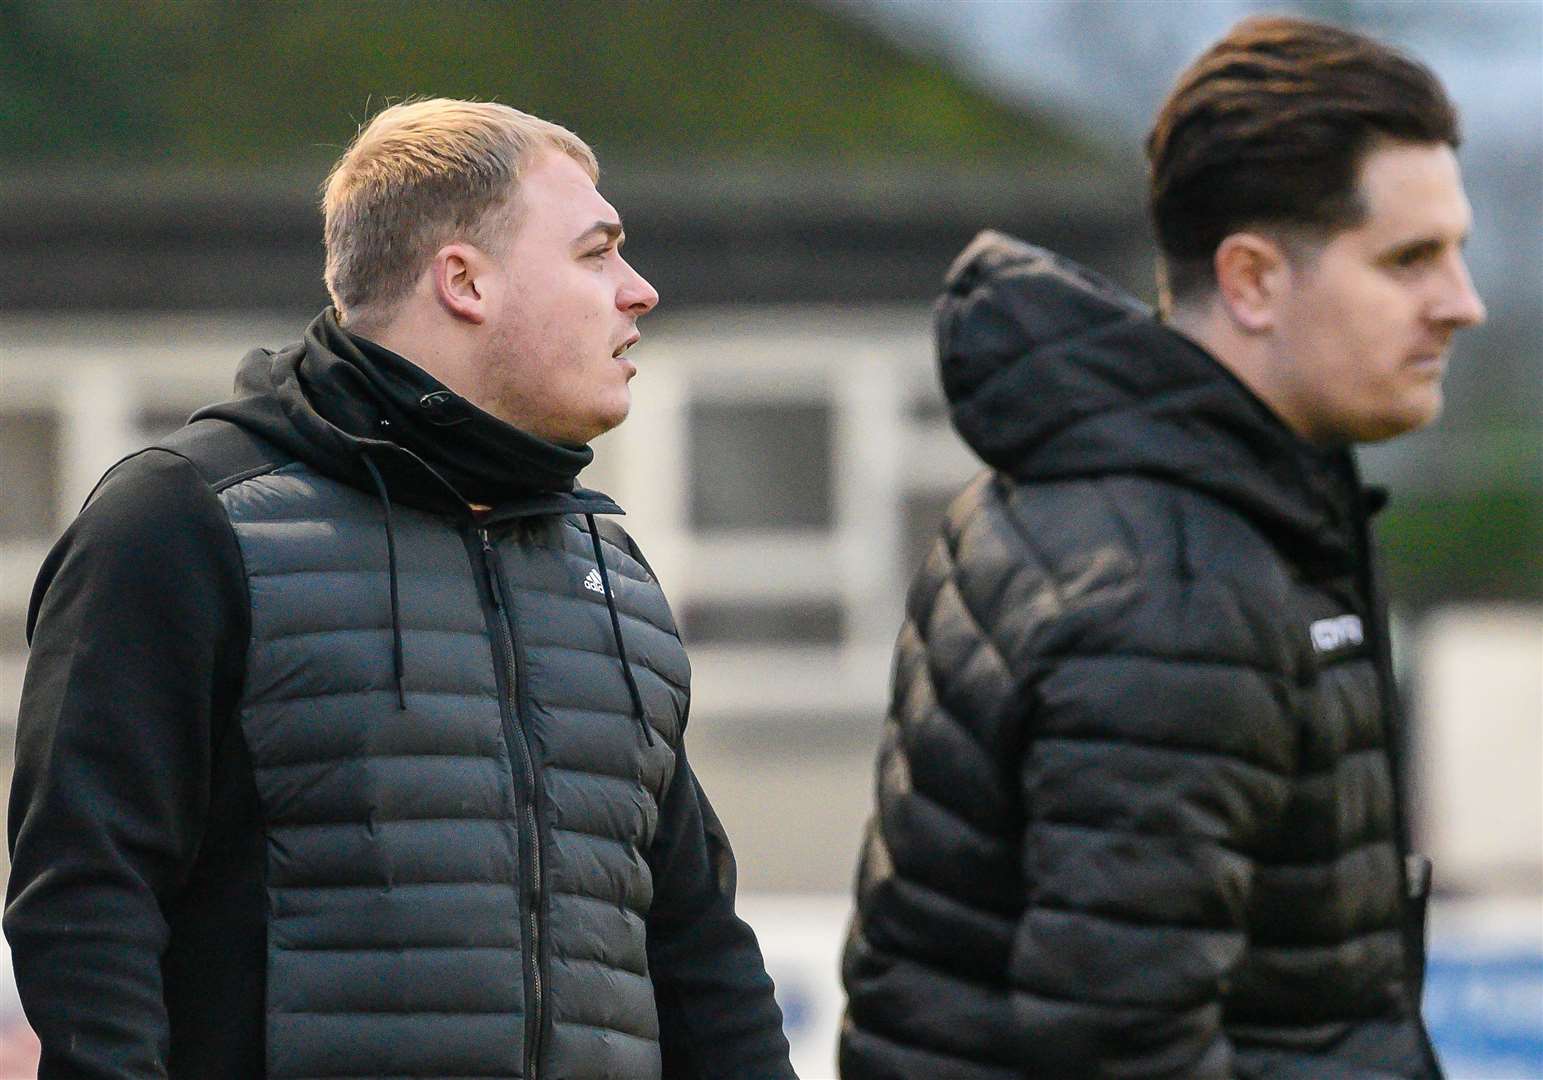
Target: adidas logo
593, 583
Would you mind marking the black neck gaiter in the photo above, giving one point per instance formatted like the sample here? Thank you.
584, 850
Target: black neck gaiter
371, 392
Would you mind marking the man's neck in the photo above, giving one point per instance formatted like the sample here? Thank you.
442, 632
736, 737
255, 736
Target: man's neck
1247, 357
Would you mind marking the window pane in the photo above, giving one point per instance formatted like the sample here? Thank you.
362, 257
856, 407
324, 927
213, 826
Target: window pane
13, 630
29, 447
928, 409
759, 465
924, 512
800, 622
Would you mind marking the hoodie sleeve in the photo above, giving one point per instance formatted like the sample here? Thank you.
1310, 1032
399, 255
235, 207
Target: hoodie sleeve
717, 1015
138, 629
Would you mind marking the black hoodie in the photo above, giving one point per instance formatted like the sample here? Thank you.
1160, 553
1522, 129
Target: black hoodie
1137, 803
137, 907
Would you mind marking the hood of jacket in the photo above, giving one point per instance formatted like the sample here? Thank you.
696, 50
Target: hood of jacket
354, 410
1052, 372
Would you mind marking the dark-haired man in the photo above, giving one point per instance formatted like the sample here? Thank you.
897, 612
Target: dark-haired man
1139, 808
352, 741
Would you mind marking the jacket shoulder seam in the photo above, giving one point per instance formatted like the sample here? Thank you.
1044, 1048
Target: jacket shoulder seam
230, 454
224, 483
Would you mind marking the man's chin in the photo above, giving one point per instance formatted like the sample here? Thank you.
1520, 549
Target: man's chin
1390, 425
609, 420
1428, 410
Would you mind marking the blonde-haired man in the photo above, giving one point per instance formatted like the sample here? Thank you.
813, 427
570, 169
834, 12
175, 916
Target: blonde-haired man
351, 738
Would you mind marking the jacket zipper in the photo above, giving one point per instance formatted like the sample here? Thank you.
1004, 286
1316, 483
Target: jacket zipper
517, 739
1392, 729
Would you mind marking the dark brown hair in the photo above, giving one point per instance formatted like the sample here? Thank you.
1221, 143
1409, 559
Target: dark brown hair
1269, 128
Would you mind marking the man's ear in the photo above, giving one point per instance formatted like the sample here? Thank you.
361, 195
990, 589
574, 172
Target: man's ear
1252, 276
459, 281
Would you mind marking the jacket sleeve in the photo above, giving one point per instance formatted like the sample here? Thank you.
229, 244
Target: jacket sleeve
138, 630
717, 1015
1157, 764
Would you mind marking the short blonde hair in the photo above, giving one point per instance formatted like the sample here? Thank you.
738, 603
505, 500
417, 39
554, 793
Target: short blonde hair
419, 175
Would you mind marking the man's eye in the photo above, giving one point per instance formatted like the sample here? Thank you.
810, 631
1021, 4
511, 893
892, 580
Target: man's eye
1412, 257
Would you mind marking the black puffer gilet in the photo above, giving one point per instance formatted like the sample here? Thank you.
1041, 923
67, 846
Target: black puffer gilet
456, 881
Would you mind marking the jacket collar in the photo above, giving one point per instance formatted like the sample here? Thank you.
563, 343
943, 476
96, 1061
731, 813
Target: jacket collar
1054, 373
332, 400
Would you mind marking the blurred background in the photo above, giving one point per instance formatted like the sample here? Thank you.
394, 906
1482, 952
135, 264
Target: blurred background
795, 177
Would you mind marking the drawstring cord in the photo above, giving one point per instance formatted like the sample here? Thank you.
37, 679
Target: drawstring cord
397, 663
621, 649
396, 606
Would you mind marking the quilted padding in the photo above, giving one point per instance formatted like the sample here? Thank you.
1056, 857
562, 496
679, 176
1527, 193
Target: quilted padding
400, 896
1136, 808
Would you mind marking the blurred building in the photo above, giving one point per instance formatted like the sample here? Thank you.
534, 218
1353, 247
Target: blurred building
796, 198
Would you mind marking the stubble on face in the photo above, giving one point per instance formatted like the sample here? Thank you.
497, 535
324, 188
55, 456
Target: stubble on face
567, 301
526, 357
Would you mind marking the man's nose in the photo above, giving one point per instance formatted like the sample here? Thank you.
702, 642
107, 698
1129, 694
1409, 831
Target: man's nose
1459, 304
636, 296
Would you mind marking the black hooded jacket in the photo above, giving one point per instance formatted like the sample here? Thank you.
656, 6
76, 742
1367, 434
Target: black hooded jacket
321, 771
1138, 812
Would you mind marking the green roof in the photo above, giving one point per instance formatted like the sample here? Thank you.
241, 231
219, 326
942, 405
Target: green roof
208, 82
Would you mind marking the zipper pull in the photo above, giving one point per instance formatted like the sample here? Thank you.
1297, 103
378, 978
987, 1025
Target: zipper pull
490, 561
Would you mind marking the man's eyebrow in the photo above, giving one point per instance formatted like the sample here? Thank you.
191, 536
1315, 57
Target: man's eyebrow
612, 230
1426, 244
1418, 243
